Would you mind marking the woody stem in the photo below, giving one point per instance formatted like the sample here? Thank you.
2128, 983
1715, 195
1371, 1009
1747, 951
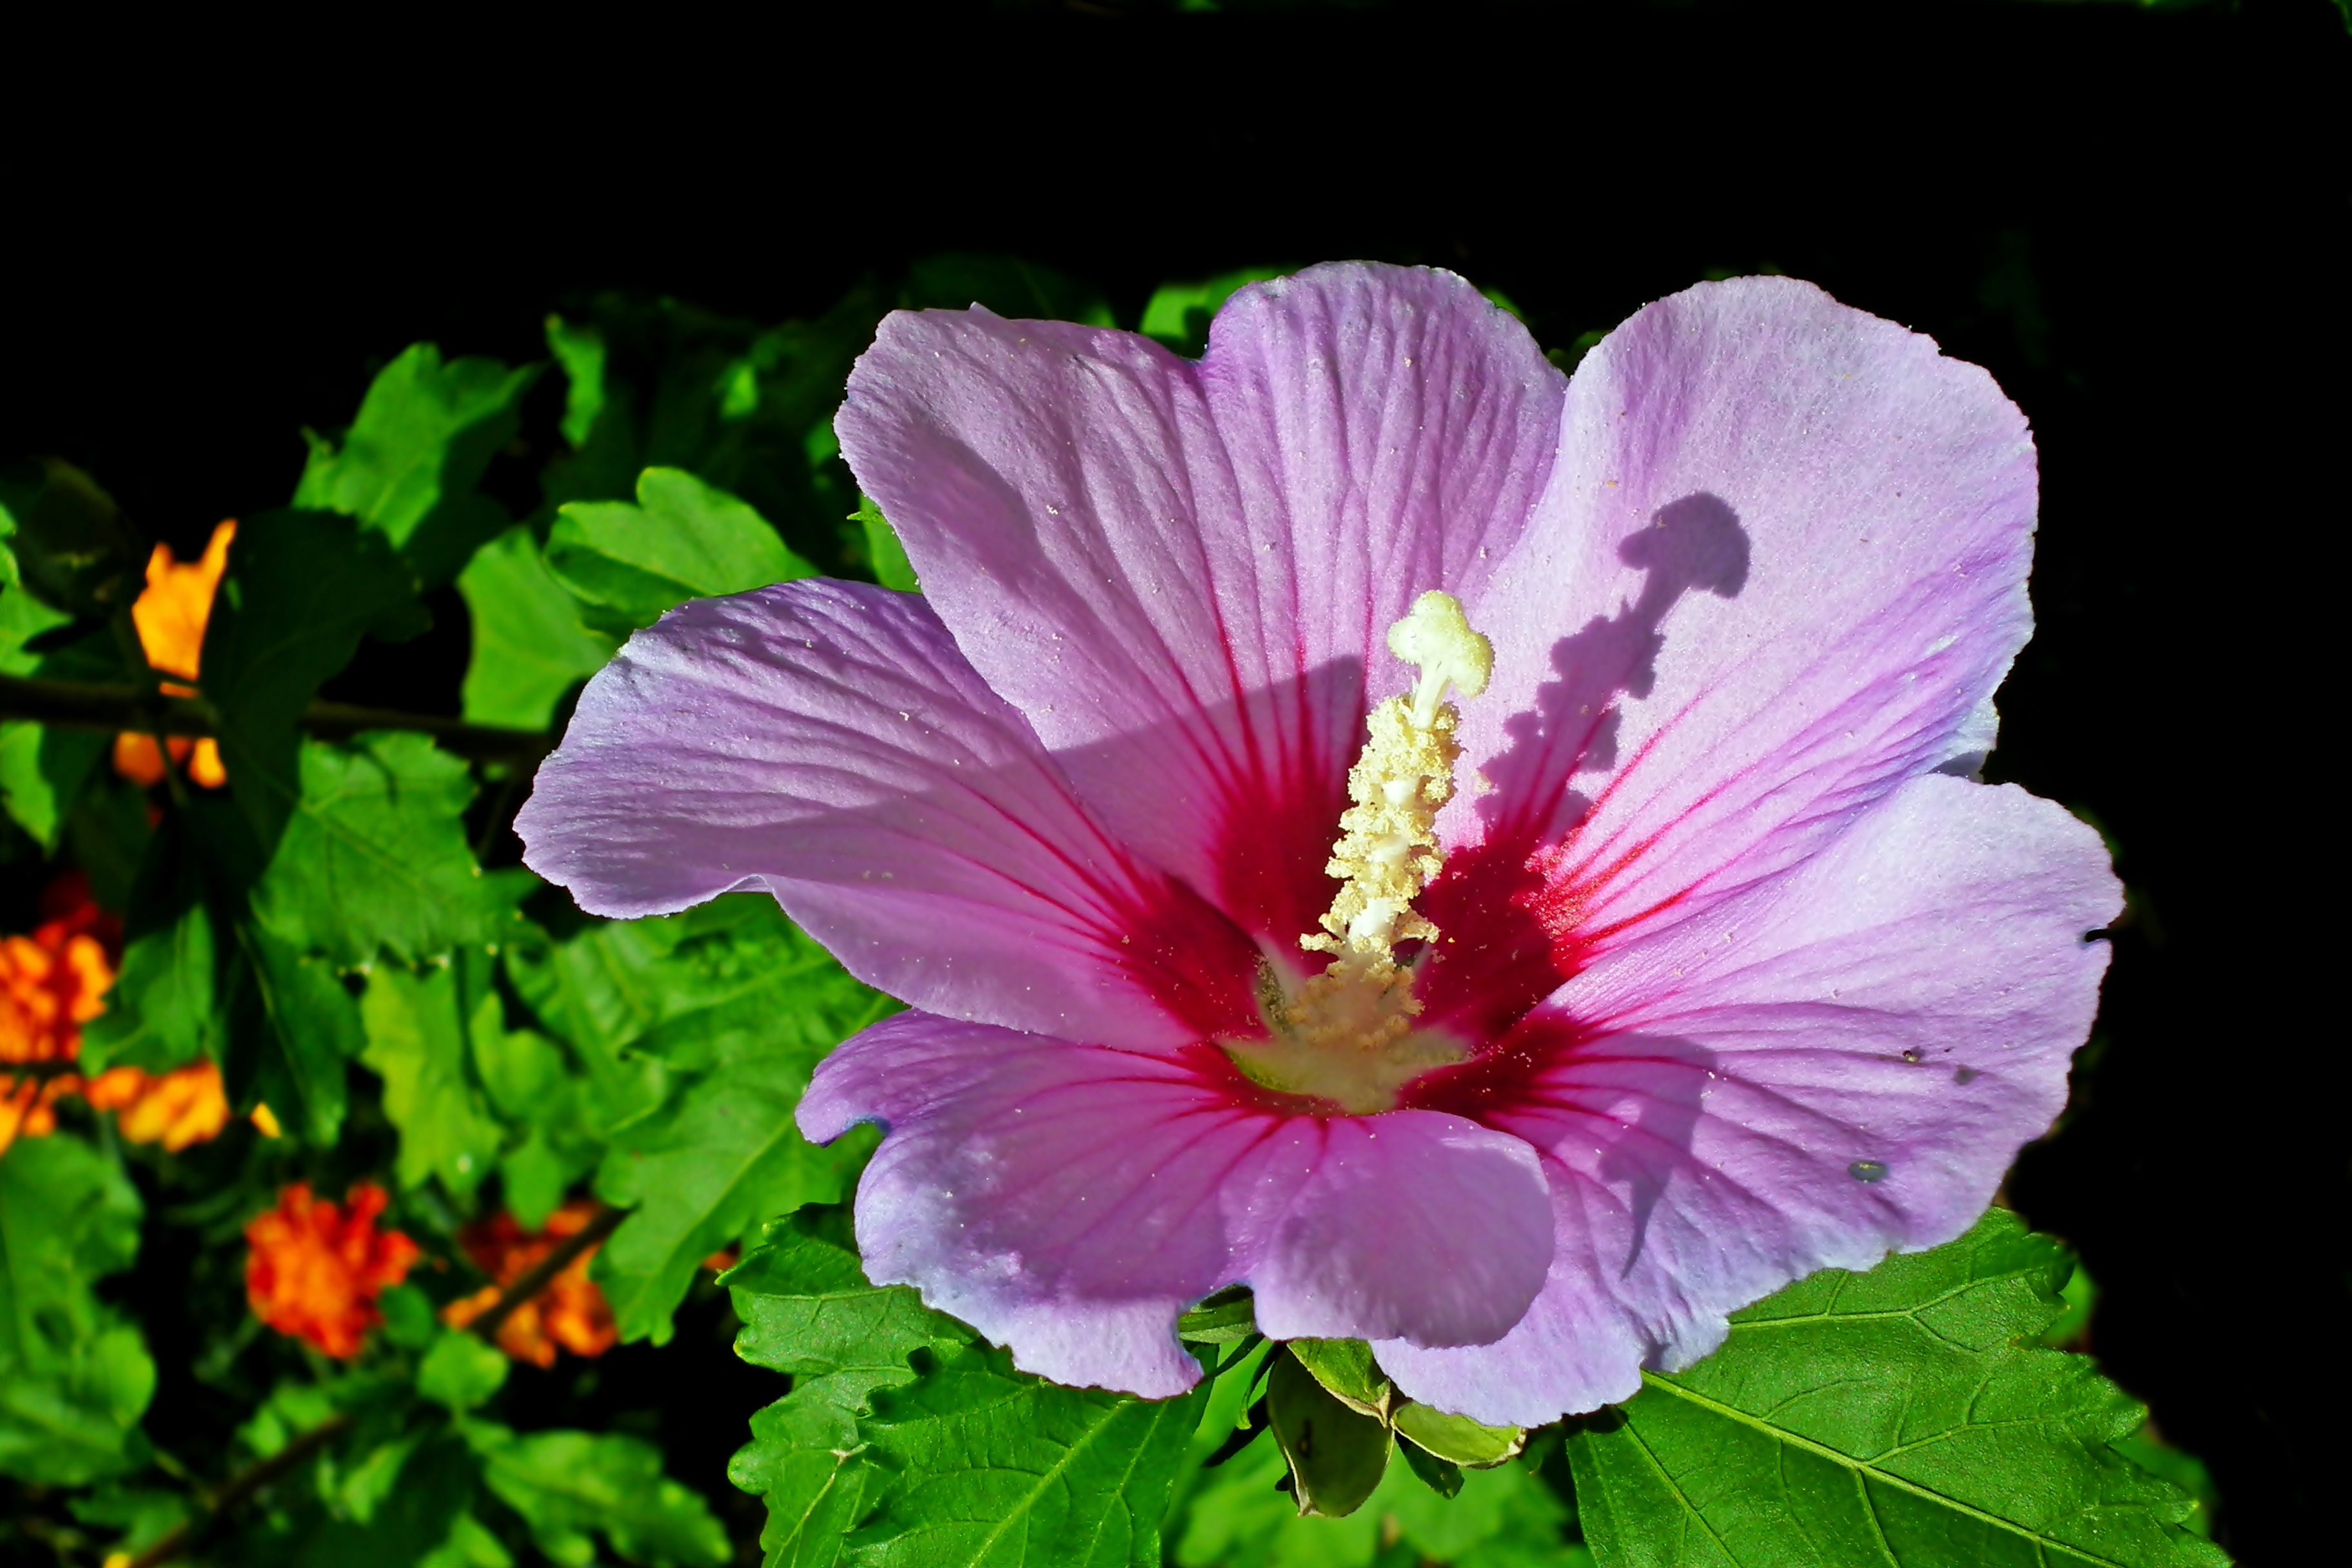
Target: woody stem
85, 705
241, 1486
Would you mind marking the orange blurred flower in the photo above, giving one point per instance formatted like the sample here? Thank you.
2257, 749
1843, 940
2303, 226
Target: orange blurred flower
571, 1311
51, 984
316, 1269
184, 1106
171, 613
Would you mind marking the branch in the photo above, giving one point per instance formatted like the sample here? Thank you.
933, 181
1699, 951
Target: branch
238, 1488
535, 1279
85, 705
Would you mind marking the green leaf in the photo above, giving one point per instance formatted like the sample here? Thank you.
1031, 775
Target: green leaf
579, 348
75, 1377
67, 539
1502, 1518
374, 856
887, 556
530, 647
292, 1028
995, 1468
164, 1011
682, 540
408, 465
1227, 1318
750, 1004
566, 1484
42, 770
461, 1371
301, 589
1901, 1416
43, 767
1346, 1367
703, 1174
531, 1085
468, 1545
408, 1318
1458, 1439
1177, 314
108, 835
408, 1503
807, 1310
729, 980
1336, 1452
416, 1043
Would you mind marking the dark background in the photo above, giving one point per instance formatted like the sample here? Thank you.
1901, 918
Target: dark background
2136, 219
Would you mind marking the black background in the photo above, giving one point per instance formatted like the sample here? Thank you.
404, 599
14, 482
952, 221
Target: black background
2135, 219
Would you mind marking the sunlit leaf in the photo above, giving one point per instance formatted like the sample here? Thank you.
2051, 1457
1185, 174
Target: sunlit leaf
530, 647
75, 1377
375, 855
1904, 1416
566, 1485
416, 1043
681, 540
407, 467
989, 1467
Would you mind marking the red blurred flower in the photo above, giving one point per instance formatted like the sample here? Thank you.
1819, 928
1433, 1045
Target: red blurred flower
571, 1311
317, 1267
51, 984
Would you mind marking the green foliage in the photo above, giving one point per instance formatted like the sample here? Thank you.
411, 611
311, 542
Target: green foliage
1504, 1518
1907, 1416
1178, 314
416, 1043
1336, 1452
530, 647
66, 542
682, 540
699, 1032
301, 590
807, 1310
165, 1008
883, 552
568, 1484
45, 767
407, 467
75, 1377
292, 1029
375, 858
993, 1468
461, 1371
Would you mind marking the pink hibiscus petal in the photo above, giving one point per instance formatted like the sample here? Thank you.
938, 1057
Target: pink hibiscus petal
1825, 1069
1180, 572
1779, 569
1071, 1201
825, 742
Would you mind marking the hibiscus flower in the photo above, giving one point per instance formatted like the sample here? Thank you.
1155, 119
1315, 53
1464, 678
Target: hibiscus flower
1668, 951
